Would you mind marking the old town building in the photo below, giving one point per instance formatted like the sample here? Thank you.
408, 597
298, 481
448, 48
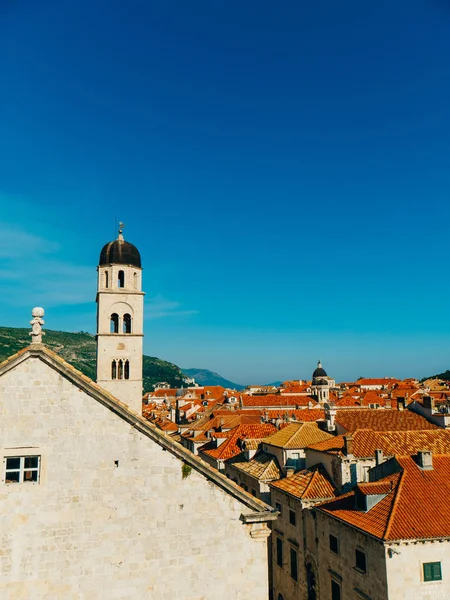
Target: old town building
96, 502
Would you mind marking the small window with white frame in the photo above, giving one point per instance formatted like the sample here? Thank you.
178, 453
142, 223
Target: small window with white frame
21, 469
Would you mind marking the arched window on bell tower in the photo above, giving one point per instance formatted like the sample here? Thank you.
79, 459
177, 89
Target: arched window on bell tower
114, 323
113, 370
127, 369
121, 279
126, 323
120, 370
106, 279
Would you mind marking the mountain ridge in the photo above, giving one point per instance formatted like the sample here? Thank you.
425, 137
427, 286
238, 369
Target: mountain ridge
207, 377
79, 349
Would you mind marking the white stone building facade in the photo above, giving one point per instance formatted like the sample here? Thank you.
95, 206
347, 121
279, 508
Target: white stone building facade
115, 509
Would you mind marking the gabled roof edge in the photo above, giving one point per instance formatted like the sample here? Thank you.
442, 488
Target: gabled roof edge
262, 510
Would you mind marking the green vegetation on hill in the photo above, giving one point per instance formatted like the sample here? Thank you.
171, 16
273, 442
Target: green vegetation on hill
206, 377
79, 349
445, 376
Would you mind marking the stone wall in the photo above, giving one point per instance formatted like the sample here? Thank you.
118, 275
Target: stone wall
405, 570
341, 567
292, 538
112, 516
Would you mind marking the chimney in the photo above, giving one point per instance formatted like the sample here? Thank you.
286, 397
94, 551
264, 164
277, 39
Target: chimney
378, 457
428, 402
289, 471
348, 445
425, 459
400, 403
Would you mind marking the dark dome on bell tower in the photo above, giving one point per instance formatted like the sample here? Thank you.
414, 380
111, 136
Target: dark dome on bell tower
120, 252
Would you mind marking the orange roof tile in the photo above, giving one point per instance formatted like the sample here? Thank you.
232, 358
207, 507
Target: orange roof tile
263, 466
302, 415
400, 514
230, 447
366, 441
277, 400
297, 435
309, 484
381, 420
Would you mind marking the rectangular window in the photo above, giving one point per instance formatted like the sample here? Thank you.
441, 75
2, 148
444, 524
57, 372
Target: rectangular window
335, 590
254, 493
22, 469
278, 507
360, 558
292, 519
432, 571
334, 544
279, 551
294, 564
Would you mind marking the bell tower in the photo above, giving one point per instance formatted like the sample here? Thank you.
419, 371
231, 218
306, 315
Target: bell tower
120, 318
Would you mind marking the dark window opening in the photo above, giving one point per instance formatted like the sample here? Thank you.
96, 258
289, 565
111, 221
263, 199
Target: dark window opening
311, 582
280, 597
334, 544
113, 370
127, 369
432, 571
254, 493
360, 558
279, 552
126, 323
106, 279
22, 469
292, 519
120, 370
278, 507
121, 279
335, 590
114, 323
294, 573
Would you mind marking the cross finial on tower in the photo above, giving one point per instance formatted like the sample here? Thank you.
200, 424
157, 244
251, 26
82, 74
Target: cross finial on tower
121, 228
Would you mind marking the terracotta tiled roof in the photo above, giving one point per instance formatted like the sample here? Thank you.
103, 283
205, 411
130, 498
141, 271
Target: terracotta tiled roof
162, 393
277, 400
387, 381
309, 484
294, 388
366, 441
297, 435
226, 422
415, 508
374, 487
230, 447
381, 420
302, 415
263, 466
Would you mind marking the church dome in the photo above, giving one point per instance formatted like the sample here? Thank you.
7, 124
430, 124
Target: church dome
120, 252
319, 372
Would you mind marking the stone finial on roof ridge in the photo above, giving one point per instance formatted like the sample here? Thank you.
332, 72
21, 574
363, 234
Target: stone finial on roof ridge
36, 325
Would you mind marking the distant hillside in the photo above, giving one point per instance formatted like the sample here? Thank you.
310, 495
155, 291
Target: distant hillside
79, 349
445, 376
205, 377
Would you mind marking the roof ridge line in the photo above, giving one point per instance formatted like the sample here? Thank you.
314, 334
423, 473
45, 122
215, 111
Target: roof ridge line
395, 503
311, 479
137, 421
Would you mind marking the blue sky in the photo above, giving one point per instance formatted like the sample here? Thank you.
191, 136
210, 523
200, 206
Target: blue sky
283, 169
